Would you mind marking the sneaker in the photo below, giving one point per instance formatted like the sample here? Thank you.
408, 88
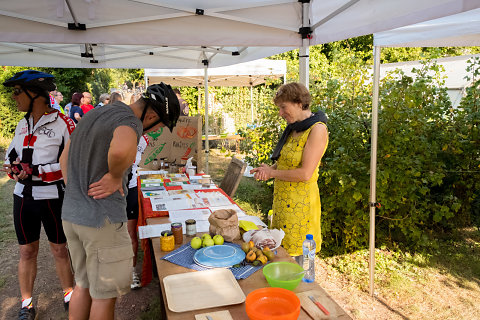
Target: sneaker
26, 314
135, 281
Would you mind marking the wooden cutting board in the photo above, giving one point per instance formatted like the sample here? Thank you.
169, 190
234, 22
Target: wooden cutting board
313, 311
202, 289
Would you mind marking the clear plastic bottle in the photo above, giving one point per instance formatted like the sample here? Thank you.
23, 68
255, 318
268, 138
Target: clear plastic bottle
308, 259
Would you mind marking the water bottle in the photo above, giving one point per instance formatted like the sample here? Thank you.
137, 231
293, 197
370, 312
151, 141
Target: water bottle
309, 246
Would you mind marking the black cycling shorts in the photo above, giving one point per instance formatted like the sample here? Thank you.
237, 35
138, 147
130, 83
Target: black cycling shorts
29, 215
132, 203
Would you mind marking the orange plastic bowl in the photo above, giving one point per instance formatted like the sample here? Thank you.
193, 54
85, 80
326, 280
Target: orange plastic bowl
272, 304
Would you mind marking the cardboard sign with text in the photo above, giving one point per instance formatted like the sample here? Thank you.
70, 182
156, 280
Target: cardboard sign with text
184, 142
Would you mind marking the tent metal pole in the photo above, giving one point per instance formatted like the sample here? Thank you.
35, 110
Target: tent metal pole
304, 50
303, 65
251, 101
373, 164
207, 150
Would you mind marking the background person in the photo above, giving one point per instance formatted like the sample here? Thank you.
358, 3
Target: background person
104, 99
132, 208
54, 100
184, 109
58, 99
116, 96
76, 113
296, 199
94, 163
86, 102
32, 160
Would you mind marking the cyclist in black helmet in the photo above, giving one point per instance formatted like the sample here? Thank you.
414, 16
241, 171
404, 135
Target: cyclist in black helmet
32, 160
95, 165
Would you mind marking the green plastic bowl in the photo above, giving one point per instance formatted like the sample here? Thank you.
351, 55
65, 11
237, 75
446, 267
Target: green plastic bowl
286, 275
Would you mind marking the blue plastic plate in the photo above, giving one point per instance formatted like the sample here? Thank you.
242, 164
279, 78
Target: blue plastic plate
220, 256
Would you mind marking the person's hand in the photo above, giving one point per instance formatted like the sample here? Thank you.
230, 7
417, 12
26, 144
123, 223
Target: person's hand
15, 170
7, 168
264, 172
105, 187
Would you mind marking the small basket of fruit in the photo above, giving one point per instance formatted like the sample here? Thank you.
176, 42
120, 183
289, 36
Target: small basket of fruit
257, 256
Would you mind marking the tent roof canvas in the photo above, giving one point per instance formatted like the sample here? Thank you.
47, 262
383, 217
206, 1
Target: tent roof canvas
185, 33
457, 30
239, 75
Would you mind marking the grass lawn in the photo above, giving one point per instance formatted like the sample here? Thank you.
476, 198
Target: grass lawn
7, 232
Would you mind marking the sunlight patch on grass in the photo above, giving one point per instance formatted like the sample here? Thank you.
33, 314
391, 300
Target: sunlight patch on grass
7, 231
4, 142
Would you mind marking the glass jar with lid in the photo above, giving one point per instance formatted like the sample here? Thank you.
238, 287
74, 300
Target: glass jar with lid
167, 241
191, 227
177, 231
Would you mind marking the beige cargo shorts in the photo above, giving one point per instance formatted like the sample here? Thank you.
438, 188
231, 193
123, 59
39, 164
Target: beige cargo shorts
102, 258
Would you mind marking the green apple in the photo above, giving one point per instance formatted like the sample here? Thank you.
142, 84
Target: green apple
206, 235
207, 242
218, 239
196, 243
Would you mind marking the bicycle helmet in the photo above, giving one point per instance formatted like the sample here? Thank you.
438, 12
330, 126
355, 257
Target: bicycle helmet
32, 79
38, 82
162, 99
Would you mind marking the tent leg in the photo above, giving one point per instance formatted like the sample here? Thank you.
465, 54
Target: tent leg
373, 164
304, 50
251, 101
207, 149
303, 65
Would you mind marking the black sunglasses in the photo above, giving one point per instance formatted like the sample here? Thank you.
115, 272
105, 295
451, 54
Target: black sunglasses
17, 91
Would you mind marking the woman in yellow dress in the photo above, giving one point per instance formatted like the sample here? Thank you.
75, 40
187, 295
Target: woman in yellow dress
296, 198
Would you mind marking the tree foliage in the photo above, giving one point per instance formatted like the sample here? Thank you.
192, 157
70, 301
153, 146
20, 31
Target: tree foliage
428, 157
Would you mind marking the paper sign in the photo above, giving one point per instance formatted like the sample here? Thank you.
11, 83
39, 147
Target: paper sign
152, 231
176, 146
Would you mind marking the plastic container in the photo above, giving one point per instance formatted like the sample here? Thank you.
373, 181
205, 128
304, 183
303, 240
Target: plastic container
191, 170
286, 275
272, 304
308, 258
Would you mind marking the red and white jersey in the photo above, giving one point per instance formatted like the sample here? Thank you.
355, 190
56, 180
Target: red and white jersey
142, 145
41, 146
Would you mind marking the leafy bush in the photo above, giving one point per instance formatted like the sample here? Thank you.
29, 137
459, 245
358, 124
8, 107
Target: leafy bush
428, 154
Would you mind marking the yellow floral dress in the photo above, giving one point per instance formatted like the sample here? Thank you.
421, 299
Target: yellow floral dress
296, 205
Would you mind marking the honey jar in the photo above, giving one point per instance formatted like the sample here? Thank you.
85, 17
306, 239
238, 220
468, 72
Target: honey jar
177, 231
167, 241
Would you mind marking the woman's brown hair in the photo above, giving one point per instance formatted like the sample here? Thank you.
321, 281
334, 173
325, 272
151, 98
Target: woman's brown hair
293, 92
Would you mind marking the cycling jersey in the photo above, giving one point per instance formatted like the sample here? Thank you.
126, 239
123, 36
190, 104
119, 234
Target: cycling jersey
39, 147
142, 145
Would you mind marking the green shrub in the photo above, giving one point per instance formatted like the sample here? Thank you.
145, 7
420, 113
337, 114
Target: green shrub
428, 155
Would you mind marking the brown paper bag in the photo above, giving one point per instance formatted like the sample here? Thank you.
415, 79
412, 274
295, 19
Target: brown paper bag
225, 223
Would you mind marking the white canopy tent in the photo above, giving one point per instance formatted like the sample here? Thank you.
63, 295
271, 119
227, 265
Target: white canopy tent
461, 29
245, 74
190, 33
238, 75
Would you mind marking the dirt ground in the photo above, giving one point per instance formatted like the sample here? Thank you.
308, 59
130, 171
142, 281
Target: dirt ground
48, 293
49, 306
